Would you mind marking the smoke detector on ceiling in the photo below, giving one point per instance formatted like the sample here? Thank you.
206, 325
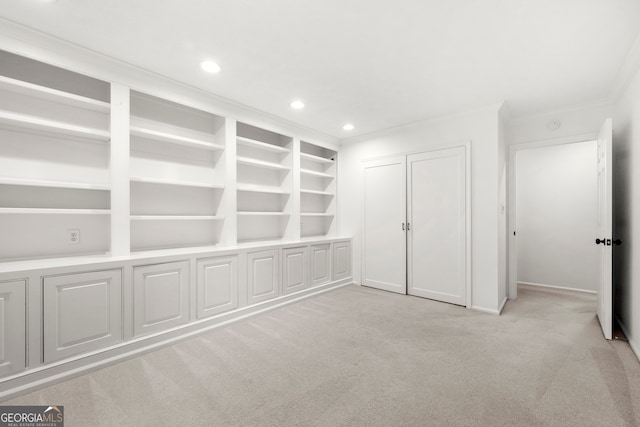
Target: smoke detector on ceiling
554, 124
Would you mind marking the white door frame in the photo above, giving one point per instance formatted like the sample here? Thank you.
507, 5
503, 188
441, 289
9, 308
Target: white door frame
467, 147
512, 242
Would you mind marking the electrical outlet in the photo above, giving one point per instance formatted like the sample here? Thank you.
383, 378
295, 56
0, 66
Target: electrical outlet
73, 236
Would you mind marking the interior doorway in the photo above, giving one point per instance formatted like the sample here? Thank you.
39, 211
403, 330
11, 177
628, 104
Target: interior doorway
554, 216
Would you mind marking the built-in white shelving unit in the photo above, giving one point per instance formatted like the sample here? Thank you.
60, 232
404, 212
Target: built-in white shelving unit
54, 156
177, 176
177, 179
264, 184
317, 190
144, 220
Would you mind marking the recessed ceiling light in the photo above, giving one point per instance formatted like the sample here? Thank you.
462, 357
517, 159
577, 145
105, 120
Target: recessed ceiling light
297, 105
348, 126
210, 67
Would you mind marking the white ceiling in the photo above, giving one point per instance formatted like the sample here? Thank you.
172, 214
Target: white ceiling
374, 63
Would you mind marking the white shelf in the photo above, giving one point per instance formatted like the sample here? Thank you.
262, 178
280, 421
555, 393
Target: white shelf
43, 92
261, 189
49, 211
252, 213
173, 138
316, 214
261, 145
53, 184
176, 218
261, 163
36, 123
175, 182
315, 173
316, 158
317, 193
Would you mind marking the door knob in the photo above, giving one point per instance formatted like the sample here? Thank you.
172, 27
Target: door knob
617, 242
598, 241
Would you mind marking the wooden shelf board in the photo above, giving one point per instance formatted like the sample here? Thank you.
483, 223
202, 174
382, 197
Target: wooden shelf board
147, 133
146, 180
49, 94
317, 193
316, 158
53, 184
260, 163
315, 173
248, 142
252, 213
54, 211
316, 214
261, 189
25, 121
176, 218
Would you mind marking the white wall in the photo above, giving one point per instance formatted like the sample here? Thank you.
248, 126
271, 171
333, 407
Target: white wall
481, 128
626, 225
557, 215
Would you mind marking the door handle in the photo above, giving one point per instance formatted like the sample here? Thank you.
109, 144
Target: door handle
603, 241
403, 226
617, 242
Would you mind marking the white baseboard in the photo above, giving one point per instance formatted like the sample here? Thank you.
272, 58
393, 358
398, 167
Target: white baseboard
634, 348
504, 302
562, 288
485, 310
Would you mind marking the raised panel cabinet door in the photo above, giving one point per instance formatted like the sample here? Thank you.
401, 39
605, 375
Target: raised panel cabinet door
217, 285
341, 260
82, 313
12, 327
160, 297
320, 264
263, 277
294, 269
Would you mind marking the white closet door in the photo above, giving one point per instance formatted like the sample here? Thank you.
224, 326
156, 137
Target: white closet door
437, 225
384, 253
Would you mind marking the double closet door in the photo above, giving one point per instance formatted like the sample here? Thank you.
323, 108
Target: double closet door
415, 225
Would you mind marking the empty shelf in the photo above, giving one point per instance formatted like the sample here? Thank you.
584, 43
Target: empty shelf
174, 138
261, 145
36, 123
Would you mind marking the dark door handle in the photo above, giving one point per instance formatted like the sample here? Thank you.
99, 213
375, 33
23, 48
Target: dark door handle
603, 241
617, 242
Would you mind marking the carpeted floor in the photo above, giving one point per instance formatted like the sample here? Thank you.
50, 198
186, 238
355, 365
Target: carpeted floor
358, 356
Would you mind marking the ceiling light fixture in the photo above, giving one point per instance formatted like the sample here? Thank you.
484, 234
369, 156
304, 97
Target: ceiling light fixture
348, 127
210, 67
297, 105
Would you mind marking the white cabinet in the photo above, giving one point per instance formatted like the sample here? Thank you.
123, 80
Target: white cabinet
294, 269
12, 327
217, 286
263, 275
341, 260
82, 312
320, 264
160, 297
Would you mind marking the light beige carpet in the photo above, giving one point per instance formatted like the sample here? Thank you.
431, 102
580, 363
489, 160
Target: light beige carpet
358, 356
